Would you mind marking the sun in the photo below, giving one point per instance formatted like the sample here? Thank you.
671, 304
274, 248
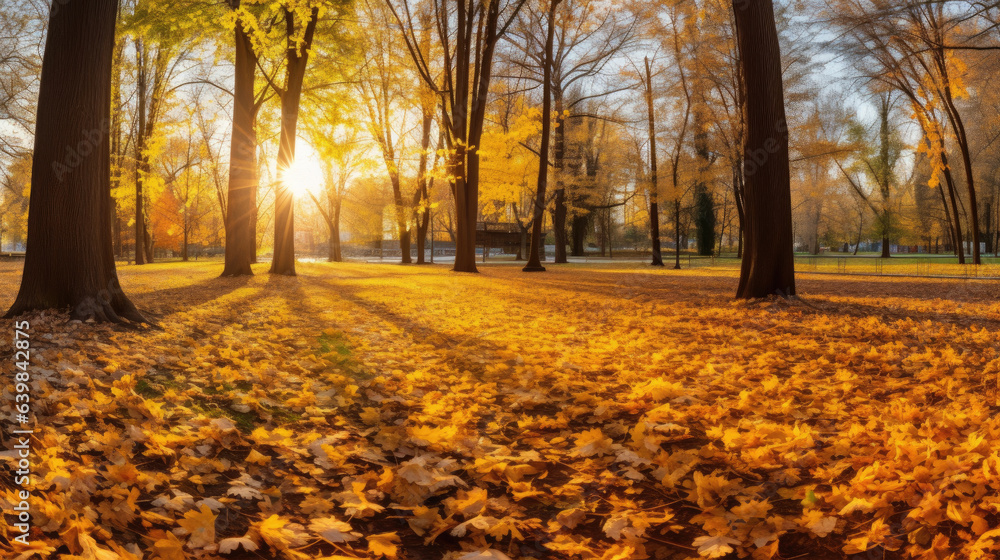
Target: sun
305, 175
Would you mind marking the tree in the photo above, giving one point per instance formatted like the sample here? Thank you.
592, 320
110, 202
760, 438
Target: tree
908, 48
534, 261
387, 95
587, 38
22, 29
467, 70
69, 260
877, 159
300, 27
768, 265
241, 240
654, 209
161, 45
340, 150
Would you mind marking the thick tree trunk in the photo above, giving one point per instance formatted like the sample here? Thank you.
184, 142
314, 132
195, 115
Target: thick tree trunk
69, 260
654, 209
768, 265
297, 56
534, 255
240, 240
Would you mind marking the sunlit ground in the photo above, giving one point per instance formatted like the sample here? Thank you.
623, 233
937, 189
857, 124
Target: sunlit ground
593, 411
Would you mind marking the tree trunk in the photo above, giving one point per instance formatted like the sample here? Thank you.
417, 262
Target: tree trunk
704, 220
402, 225
963, 144
297, 56
885, 241
768, 265
69, 260
738, 199
240, 242
950, 182
142, 164
704, 201
117, 149
254, 186
578, 233
677, 231
534, 255
654, 209
558, 163
337, 256
184, 248
422, 202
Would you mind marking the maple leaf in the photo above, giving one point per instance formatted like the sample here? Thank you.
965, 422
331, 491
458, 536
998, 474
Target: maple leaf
429, 436
817, 522
333, 530
383, 544
229, 545
279, 534
467, 503
355, 501
257, 458
200, 525
169, 548
592, 442
714, 546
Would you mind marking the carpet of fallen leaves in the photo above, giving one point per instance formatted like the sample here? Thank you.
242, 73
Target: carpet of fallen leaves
381, 411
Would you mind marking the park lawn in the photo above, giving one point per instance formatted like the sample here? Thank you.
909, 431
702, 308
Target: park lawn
593, 411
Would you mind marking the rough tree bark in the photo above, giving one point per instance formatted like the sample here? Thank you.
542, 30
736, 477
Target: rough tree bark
240, 243
69, 260
768, 265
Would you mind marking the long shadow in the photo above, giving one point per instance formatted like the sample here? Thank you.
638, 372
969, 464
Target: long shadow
170, 300
636, 287
414, 329
639, 288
